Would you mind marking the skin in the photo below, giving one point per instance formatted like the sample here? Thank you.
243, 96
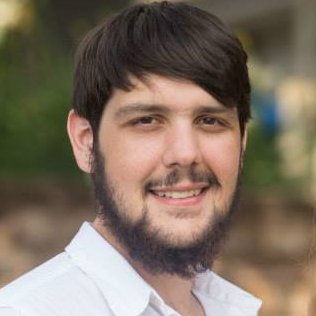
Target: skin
145, 133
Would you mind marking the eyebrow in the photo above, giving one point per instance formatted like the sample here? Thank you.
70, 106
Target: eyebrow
204, 109
159, 108
140, 107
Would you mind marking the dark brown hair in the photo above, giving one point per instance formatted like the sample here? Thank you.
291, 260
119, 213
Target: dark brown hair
174, 40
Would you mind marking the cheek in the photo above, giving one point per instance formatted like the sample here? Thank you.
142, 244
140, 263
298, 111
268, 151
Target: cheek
223, 157
131, 161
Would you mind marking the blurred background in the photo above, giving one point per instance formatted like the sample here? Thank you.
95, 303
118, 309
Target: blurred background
44, 198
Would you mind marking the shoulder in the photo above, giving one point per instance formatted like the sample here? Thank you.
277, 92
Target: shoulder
9, 311
34, 279
55, 286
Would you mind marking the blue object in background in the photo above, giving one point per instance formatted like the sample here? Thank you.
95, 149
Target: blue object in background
266, 112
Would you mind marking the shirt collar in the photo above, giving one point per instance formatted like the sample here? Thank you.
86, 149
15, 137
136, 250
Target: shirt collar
128, 294
125, 291
212, 290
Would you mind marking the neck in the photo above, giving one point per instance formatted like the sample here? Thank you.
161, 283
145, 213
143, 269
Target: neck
174, 290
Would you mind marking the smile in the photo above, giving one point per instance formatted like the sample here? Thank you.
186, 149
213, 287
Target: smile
182, 195
178, 194
181, 198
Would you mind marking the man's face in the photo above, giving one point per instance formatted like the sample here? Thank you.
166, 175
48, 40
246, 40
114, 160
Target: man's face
171, 155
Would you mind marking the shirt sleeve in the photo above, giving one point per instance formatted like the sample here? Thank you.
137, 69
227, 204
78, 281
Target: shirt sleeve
9, 311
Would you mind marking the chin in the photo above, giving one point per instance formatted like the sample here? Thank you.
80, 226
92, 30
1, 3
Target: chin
183, 235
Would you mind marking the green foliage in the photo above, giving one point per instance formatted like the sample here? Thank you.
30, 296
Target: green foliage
36, 62
34, 106
262, 160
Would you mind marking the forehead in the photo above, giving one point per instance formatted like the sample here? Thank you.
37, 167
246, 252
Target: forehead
174, 94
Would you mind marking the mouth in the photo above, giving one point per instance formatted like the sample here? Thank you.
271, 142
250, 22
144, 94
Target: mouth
178, 194
180, 197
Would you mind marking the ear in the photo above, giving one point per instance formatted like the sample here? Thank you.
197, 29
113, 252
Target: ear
244, 144
81, 138
244, 139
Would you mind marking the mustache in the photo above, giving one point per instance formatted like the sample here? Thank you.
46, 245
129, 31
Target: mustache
176, 176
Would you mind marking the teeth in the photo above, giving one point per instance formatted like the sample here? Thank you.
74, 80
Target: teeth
179, 194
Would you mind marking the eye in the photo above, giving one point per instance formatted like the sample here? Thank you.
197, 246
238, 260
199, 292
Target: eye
146, 123
210, 123
209, 120
145, 120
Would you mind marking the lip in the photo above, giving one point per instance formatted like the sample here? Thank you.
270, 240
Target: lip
179, 188
185, 202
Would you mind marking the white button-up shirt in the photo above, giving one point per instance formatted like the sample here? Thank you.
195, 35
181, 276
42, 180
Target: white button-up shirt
90, 278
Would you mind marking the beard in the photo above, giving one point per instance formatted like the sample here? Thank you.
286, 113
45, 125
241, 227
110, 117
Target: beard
147, 245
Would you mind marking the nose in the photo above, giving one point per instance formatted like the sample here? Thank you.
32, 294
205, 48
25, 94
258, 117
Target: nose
182, 147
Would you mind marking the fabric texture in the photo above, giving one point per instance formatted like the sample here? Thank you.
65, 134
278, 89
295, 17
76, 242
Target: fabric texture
91, 278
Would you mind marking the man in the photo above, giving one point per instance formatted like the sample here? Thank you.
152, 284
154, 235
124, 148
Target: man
160, 106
